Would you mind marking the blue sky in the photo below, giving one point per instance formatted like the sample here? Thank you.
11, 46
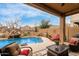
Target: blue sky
26, 14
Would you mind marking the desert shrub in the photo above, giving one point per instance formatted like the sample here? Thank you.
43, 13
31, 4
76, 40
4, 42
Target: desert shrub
26, 33
36, 29
40, 34
45, 24
47, 35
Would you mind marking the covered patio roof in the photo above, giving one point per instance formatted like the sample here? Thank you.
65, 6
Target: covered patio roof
59, 9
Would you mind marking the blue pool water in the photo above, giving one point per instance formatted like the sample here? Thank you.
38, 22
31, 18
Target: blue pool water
29, 40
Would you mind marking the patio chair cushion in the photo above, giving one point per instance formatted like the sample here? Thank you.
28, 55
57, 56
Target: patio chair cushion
55, 37
24, 52
73, 41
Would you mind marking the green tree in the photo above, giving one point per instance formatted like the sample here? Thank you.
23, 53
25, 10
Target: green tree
45, 24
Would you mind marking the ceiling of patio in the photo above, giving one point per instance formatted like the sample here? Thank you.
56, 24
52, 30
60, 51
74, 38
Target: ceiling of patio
58, 8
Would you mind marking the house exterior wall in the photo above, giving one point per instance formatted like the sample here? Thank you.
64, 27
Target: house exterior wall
74, 28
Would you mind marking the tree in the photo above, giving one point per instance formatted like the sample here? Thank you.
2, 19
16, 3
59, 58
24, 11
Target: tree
13, 24
45, 24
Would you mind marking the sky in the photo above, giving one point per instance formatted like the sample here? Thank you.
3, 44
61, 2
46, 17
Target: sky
26, 14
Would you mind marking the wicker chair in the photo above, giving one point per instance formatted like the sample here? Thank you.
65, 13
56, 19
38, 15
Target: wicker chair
14, 50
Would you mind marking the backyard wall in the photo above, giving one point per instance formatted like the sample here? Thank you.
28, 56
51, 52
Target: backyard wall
70, 31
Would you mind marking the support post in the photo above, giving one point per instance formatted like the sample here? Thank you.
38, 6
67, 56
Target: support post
62, 29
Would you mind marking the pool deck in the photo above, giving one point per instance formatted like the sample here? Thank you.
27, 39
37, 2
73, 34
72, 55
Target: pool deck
40, 48
3, 38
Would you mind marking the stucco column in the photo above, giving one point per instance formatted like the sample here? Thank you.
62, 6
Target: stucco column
62, 28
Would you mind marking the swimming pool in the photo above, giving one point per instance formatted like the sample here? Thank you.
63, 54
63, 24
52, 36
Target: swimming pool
28, 40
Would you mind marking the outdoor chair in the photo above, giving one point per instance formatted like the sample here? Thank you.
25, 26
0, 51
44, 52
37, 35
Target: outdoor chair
53, 37
74, 45
74, 48
15, 50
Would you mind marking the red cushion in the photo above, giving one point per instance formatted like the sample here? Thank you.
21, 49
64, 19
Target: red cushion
73, 41
56, 37
24, 52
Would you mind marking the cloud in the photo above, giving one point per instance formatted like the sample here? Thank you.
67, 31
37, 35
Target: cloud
22, 11
68, 20
19, 10
32, 13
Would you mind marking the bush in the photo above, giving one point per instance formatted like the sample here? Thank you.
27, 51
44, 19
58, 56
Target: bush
44, 24
36, 30
26, 33
48, 36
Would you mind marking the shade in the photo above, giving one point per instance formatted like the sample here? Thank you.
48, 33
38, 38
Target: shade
58, 8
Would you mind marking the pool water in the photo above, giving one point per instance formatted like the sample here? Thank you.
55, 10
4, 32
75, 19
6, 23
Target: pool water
29, 40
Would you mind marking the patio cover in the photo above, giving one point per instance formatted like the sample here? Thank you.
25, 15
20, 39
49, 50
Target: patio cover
59, 9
